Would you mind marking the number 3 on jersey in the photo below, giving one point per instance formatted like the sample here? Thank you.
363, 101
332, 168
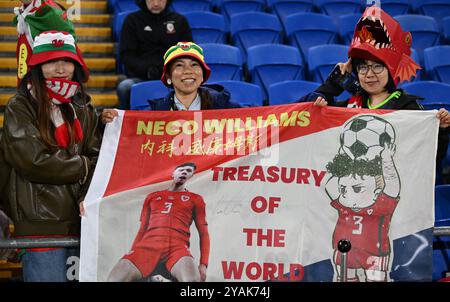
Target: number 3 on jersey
168, 206
358, 223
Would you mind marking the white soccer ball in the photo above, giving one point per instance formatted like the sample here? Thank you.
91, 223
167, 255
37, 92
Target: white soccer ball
364, 136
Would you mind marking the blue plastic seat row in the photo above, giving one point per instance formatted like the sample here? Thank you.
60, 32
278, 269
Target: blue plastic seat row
441, 244
272, 63
302, 30
244, 93
435, 8
288, 91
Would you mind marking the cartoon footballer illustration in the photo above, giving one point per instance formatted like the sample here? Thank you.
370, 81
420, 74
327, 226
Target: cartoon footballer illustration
364, 187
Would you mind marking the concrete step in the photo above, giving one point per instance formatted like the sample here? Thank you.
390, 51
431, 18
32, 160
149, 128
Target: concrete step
95, 81
105, 48
98, 64
83, 33
85, 19
99, 99
85, 6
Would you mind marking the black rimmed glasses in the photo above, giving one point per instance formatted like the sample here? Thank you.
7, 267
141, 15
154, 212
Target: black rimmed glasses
363, 69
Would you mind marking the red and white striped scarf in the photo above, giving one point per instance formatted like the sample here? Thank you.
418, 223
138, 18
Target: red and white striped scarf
61, 92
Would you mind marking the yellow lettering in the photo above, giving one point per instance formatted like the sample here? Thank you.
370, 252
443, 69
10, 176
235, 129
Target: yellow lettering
259, 121
173, 128
214, 126
230, 125
271, 120
190, 127
286, 120
158, 128
238, 125
303, 118
146, 128
250, 124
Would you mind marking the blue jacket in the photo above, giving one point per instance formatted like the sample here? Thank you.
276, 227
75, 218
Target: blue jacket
219, 99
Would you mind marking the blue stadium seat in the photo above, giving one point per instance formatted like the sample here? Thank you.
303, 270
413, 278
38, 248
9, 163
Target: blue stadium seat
272, 63
396, 7
446, 30
117, 30
144, 91
336, 8
243, 93
323, 58
225, 62
289, 91
185, 6
124, 5
347, 24
437, 9
111, 4
424, 29
421, 72
118, 20
437, 63
304, 30
441, 257
254, 28
442, 205
284, 8
441, 244
207, 27
231, 7
435, 94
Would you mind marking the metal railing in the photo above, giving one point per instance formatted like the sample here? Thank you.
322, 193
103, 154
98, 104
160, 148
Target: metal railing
15, 243
74, 242
441, 231
25, 243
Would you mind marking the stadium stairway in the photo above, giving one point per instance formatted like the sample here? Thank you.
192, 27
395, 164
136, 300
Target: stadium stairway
94, 35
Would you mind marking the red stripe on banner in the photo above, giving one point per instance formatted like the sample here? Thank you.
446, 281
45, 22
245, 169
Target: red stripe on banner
148, 145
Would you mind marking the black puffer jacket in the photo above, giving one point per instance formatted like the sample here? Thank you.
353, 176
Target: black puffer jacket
146, 37
43, 187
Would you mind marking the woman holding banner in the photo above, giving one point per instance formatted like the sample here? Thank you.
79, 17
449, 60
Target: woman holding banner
379, 58
365, 192
185, 71
51, 142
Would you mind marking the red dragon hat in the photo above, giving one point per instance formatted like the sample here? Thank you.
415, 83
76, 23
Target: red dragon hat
380, 37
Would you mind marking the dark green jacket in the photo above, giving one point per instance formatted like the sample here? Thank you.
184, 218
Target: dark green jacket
43, 189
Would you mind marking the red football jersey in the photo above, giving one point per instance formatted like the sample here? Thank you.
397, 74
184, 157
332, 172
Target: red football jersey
170, 214
367, 229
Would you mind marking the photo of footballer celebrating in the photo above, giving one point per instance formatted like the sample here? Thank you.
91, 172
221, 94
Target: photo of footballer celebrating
164, 234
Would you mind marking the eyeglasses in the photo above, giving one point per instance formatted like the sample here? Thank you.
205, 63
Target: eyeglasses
364, 69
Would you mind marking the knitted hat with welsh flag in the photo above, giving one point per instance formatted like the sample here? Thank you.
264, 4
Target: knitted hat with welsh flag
32, 19
52, 45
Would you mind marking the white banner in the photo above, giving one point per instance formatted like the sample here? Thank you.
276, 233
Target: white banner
279, 187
